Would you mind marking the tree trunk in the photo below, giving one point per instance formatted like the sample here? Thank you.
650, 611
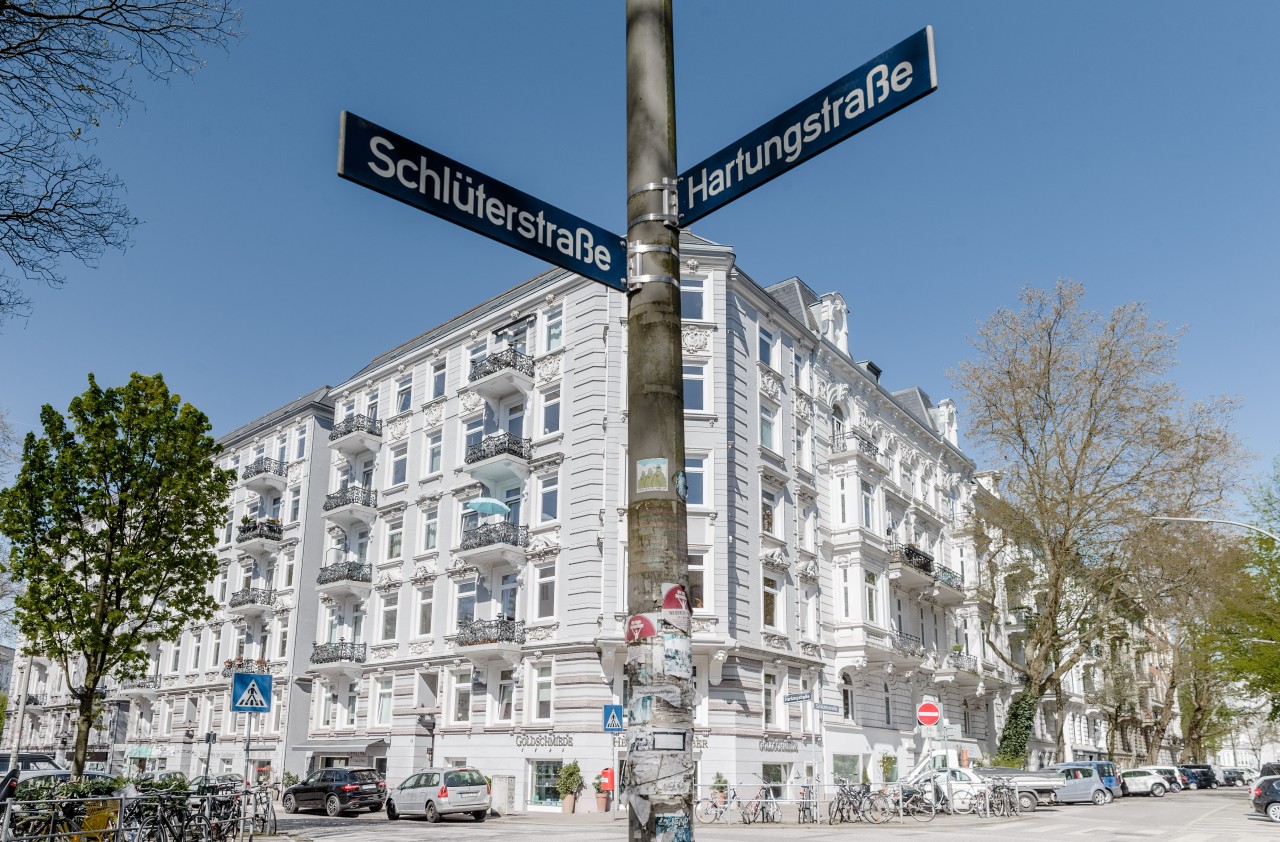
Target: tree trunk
84, 723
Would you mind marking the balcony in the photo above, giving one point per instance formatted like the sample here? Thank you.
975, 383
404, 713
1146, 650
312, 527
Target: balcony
499, 458
502, 375
960, 661
913, 565
261, 537
144, 687
345, 579
252, 602
490, 544
356, 435
906, 645
338, 659
352, 505
849, 443
951, 581
231, 667
37, 700
487, 640
264, 476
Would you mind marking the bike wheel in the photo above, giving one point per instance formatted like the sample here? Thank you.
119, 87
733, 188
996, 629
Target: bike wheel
833, 811
706, 811
922, 809
961, 801
267, 817
877, 809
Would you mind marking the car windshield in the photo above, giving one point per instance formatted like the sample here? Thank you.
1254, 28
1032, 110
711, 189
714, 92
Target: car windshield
1134, 774
464, 777
364, 776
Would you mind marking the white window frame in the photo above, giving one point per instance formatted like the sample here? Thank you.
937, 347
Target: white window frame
769, 687
549, 492
404, 395
543, 678
434, 462
383, 701
695, 372
398, 469
389, 612
768, 427
766, 346
439, 379
425, 609
693, 289
553, 330
551, 407
545, 606
460, 698
430, 528
395, 539
771, 584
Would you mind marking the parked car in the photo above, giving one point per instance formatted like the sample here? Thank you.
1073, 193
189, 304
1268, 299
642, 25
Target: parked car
30, 764
1201, 777
1250, 774
337, 790
1173, 778
1144, 782
439, 792
1213, 769
1104, 769
161, 779
206, 784
1268, 769
1266, 797
1231, 776
1034, 788
1082, 784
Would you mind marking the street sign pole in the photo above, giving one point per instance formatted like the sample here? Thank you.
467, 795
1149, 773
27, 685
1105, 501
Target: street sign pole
659, 771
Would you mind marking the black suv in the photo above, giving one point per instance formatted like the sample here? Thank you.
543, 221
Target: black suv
1200, 778
338, 790
1269, 769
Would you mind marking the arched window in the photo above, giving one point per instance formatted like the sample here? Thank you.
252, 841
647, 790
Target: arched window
848, 700
837, 429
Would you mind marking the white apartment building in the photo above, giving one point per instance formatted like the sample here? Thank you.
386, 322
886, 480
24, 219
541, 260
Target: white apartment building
406, 618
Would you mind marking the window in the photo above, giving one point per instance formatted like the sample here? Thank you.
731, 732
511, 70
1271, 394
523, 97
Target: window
474, 432
438, 372
223, 580
466, 604
542, 693
546, 590
767, 416
695, 375
768, 512
176, 658
769, 601
462, 696
692, 298
426, 598
803, 447
282, 642
542, 783
508, 587
434, 448
769, 694
697, 574
395, 539
766, 347
848, 698
515, 420
506, 695
868, 506
695, 475
287, 579
551, 412
846, 595
888, 705
230, 524
553, 330
390, 615
371, 406
399, 464
382, 700
430, 527
352, 699
404, 394
549, 498
837, 429
196, 640
295, 504
300, 443
870, 585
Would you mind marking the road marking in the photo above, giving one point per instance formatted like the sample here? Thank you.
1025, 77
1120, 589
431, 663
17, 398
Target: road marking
1048, 828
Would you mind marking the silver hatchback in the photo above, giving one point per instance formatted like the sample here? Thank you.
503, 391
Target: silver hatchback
438, 792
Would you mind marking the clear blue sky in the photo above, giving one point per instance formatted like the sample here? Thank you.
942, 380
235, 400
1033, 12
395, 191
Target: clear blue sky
1131, 146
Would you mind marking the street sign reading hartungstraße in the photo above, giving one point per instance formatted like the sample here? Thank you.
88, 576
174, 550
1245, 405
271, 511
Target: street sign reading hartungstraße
397, 167
892, 80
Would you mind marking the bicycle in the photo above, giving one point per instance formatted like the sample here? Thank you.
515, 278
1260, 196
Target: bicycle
856, 802
808, 802
913, 801
712, 809
764, 807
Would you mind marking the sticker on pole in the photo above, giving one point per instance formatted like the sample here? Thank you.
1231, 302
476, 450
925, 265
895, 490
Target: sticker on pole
651, 475
675, 605
640, 626
251, 692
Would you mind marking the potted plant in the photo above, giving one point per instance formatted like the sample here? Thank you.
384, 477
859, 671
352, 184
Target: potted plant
720, 786
569, 784
888, 767
602, 796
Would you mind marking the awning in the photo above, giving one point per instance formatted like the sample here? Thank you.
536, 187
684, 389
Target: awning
138, 751
340, 746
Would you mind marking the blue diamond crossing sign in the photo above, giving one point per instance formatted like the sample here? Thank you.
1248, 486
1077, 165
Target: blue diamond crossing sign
251, 691
613, 719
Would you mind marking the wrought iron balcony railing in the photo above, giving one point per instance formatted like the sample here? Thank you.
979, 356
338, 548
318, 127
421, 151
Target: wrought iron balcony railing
498, 445
345, 571
853, 441
149, 682
961, 661
37, 699
333, 653
950, 577
270, 530
510, 358
488, 534
263, 465
907, 644
243, 665
351, 495
490, 631
356, 424
252, 596
913, 556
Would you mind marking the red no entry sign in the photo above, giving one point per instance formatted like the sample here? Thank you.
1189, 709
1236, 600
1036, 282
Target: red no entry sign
928, 713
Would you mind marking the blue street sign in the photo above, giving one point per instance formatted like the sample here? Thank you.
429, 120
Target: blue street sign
397, 167
890, 81
250, 691
613, 719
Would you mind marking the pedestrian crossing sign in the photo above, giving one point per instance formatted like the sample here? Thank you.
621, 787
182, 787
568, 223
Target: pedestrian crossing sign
251, 691
613, 719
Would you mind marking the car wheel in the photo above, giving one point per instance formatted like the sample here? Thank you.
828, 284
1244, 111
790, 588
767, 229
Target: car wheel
392, 815
1193, 785
290, 803
480, 815
1213, 785
1273, 811
375, 808
1027, 802
1099, 797
1157, 791
332, 806
1109, 796
433, 815
1175, 787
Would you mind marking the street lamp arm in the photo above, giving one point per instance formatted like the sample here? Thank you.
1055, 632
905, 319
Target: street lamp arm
1248, 526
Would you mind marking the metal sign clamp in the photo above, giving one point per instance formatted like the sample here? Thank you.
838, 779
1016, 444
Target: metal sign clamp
670, 215
635, 253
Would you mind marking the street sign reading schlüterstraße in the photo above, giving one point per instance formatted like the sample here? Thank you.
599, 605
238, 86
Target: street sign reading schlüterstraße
397, 167
890, 81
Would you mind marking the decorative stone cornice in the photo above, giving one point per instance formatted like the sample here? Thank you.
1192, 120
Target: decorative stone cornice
548, 369
382, 653
426, 501
392, 509
775, 559
467, 492
397, 428
804, 406
433, 413
774, 641
470, 402
420, 647
543, 632
538, 464
388, 583
770, 382
695, 339
461, 571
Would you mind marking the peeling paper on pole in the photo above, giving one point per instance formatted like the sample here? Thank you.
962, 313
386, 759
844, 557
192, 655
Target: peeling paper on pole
672, 827
675, 606
677, 655
641, 626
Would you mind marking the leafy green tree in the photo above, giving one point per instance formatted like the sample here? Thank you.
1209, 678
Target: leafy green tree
112, 520
1077, 414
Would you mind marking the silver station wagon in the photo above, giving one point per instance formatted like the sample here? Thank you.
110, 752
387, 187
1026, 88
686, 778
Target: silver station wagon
439, 792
